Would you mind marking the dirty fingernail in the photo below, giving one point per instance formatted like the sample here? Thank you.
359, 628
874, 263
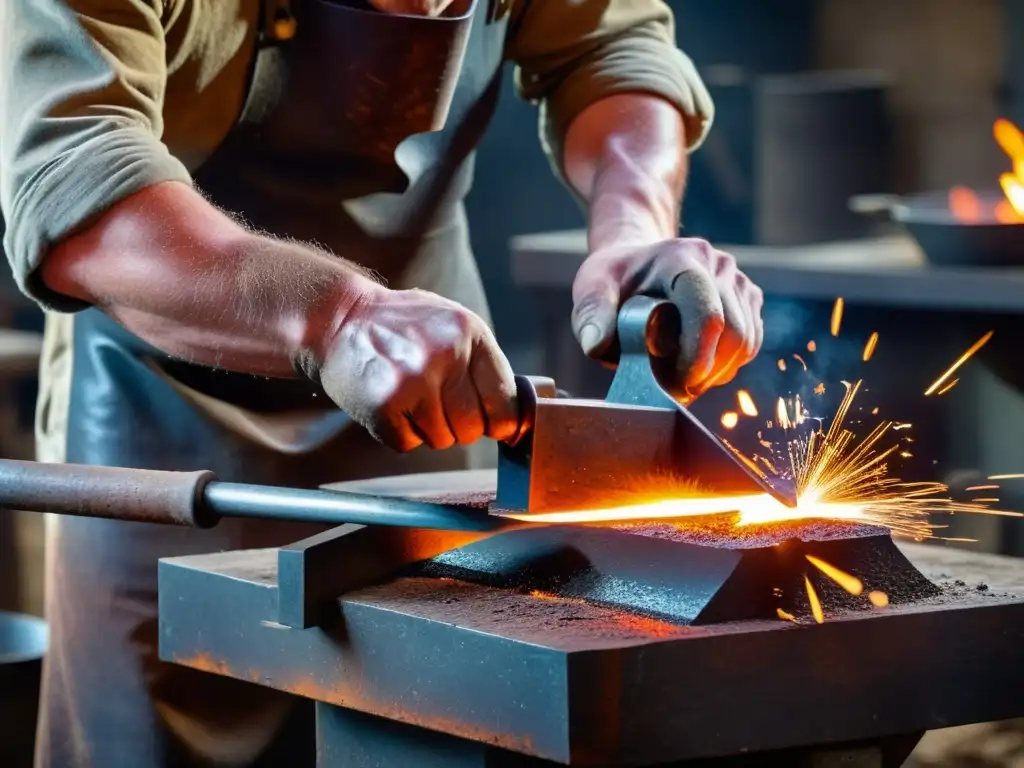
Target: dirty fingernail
590, 337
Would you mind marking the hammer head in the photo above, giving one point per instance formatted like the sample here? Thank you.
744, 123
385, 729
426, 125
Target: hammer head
588, 454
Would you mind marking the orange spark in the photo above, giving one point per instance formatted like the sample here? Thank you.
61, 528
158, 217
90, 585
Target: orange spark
812, 598
820, 389
986, 501
781, 415
874, 411
785, 616
983, 488
847, 581
960, 361
947, 387
782, 364
869, 348
811, 346
746, 403
837, 316
1005, 477
730, 419
878, 599
804, 364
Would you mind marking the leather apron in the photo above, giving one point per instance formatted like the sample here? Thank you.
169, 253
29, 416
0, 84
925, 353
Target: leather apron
357, 134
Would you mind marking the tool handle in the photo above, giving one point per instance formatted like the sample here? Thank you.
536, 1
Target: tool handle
143, 495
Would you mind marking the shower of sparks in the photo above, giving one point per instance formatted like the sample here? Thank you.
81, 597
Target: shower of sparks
812, 598
746, 403
937, 384
837, 316
869, 348
838, 475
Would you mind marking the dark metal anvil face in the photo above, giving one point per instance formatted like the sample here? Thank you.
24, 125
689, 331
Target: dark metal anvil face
598, 646
703, 572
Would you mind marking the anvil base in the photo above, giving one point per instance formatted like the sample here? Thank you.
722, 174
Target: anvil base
428, 671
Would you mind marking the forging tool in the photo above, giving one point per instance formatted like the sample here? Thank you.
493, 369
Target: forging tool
567, 454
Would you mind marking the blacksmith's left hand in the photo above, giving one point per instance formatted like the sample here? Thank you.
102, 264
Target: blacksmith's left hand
719, 305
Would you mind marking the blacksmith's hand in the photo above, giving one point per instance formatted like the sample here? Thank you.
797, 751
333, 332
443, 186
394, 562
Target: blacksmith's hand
414, 368
719, 305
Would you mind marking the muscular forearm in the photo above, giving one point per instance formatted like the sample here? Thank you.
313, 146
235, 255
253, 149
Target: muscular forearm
195, 284
626, 156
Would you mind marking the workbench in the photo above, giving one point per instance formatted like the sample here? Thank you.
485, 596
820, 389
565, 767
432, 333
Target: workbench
415, 671
886, 271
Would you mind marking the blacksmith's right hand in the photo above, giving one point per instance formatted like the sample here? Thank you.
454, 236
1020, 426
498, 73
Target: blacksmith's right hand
414, 369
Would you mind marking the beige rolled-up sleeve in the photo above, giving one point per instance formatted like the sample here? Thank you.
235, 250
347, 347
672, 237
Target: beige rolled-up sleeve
81, 93
572, 53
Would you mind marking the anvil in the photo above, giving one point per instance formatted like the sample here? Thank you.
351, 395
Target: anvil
442, 664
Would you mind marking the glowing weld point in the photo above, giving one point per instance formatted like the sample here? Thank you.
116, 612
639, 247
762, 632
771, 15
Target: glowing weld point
847, 581
812, 598
878, 599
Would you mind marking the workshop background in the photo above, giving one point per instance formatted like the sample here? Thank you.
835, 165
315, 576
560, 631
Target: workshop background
818, 101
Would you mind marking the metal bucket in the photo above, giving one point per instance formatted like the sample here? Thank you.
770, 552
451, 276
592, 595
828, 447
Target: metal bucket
23, 642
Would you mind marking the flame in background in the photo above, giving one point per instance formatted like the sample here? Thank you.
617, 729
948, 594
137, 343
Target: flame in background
968, 208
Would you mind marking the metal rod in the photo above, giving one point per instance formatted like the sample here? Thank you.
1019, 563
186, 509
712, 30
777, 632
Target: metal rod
338, 508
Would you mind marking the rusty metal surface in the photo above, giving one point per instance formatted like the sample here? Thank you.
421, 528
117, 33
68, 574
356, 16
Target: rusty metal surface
583, 453
573, 682
143, 495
